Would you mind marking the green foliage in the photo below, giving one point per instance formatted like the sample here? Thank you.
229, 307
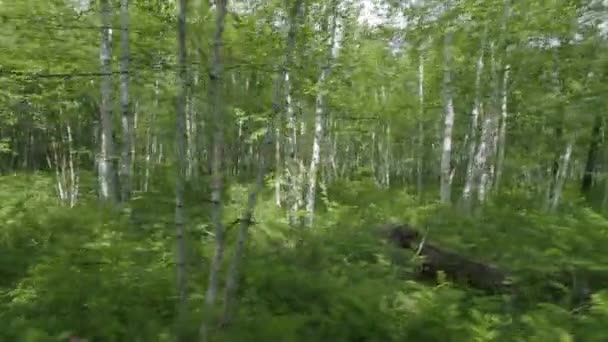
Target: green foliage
109, 275
90, 272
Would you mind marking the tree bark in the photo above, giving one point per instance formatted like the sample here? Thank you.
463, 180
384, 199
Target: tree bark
446, 151
320, 119
181, 143
217, 107
108, 189
502, 137
562, 175
420, 159
470, 175
126, 165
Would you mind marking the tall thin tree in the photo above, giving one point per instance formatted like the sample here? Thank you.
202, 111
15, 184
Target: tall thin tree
126, 158
320, 116
217, 107
181, 147
107, 177
448, 126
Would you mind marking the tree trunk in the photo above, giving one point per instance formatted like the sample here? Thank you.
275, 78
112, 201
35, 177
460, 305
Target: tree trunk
108, 189
502, 137
470, 175
320, 119
245, 222
181, 143
217, 107
74, 179
420, 159
387, 157
291, 158
446, 151
151, 137
126, 165
562, 175
489, 134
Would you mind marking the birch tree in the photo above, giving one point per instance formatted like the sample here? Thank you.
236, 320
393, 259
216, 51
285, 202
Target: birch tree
128, 131
562, 174
320, 119
181, 154
504, 116
107, 176
489, 135
292, 168
420, 159
471, 171
217, 108
448, 124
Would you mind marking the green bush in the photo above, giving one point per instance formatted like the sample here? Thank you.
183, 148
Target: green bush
97, 273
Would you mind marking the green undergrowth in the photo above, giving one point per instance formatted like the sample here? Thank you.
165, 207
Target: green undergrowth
107, 276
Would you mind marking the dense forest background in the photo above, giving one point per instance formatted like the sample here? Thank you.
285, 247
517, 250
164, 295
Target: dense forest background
303, 170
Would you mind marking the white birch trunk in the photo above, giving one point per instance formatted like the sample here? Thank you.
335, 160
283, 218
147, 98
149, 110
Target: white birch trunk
60, 184
279, 166
487, 170
74, 178
387, 158
420, 159
502, 138
105, 161
446, 151
126, 165
320, 119
562, 175
292, 169
480, 167
472, 137
151, 138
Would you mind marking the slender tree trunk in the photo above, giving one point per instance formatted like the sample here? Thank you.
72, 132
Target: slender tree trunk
181, 147
372, 153
420, 159
502, 138
320, 119
245, 222
217, 106
126, 165
277, 156
291, 159
74, 179
387, 157
470, 175
558, 129
108, 188
562, 175
191, 124
202, 142
151, 137
480, 172
446, 152
489, 134
60, 185
333, 156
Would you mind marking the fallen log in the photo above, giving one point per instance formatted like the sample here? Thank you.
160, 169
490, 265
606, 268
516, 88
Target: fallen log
457, 268
570, 287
